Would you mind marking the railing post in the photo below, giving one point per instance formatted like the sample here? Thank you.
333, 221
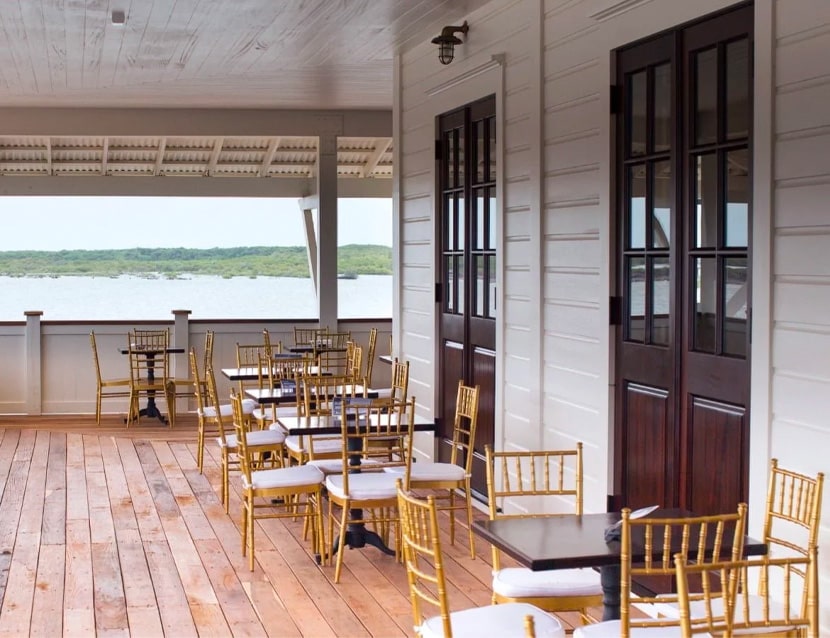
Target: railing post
34, 384
181, 339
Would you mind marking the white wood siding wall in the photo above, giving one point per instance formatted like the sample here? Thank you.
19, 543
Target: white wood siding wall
555, 361
799, 429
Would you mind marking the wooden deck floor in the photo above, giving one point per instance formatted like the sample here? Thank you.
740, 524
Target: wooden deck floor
110, 531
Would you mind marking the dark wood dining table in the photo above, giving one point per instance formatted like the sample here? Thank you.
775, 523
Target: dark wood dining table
570, 541
151, 409
278, 395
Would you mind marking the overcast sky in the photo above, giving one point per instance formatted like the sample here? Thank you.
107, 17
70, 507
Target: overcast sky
66, 223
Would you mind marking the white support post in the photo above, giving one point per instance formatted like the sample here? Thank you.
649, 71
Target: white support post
33, 362
311, 248
327, 231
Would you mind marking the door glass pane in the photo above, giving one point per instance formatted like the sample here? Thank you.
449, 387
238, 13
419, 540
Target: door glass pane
492, 157
736, 233
459, 157
637, 95
479, 151
637, 206
706, 96
661, 308
449, 222
459, 284
460, 230
661, 205
662, 108
491, 220
737, 89
479, 219
734, 306
491, 296
636, 328
706, 200
449, 145
449, 284
704, 289
480, 283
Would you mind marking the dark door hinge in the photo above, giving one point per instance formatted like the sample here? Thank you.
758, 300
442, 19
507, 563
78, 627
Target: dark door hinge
438, 296
437, 150
616, 99
615, 311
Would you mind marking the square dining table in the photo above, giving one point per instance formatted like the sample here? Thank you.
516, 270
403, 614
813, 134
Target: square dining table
569, 541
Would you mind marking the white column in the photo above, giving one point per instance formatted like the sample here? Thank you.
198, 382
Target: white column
33, 362
327, 231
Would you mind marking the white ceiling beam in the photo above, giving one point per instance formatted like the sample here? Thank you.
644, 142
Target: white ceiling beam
273, 145
381, 146
49, 156
160, 155
214, 155
104, 154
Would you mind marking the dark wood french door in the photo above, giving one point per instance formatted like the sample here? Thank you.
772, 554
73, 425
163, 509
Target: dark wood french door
466, 288
684, 119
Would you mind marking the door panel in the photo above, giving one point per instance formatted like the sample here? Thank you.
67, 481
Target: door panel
683, 343
466, 141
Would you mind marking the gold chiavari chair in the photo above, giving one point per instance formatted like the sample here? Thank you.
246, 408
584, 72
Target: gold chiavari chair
150, 372
791, 521
309, 336
370, 355
112, 388
268, 445
285, 492
426, 576
271, 375
718, 602
399, 384
455, 475
699, 539
251, 356
524, 484
368, 497
332, 352
316, 397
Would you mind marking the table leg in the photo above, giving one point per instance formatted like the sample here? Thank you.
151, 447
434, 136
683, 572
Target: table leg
151, 410
357, 536
610, 579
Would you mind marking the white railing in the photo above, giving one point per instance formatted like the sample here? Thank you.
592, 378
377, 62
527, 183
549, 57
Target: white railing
47, 366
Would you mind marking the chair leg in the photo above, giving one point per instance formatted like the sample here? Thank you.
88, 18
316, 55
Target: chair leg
225, 480
467, 495
452, 516
98, 408
243, 524
340, 548
200, 447
251, 533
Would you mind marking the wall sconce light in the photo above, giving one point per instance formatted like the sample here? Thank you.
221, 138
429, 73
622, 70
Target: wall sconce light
447, 40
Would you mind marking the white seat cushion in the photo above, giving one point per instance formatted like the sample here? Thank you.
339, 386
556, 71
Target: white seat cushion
373, 485
756, 611
248, 406
323, 444
284, 477
432, 472
266, 414
335, 466
257, 437
520, 582
381, 393
611, 629
504, 621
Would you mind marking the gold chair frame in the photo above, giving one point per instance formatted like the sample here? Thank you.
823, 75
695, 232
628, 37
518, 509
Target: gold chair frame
138, 343
463, 439
531, 478
280, 500
113, 388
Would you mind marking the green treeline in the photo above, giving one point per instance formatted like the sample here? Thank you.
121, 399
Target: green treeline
242, 261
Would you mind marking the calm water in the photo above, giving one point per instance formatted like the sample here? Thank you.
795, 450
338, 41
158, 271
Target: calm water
127, 297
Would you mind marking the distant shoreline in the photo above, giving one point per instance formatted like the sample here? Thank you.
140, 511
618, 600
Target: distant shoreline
172, 263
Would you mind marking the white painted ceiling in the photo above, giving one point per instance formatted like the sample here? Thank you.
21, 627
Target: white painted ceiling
299, 54
203, 54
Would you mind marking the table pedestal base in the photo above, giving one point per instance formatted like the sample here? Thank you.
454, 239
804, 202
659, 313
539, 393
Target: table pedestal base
609, 576
357, 537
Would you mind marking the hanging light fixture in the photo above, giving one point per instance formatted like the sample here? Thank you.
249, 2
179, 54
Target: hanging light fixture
447, 40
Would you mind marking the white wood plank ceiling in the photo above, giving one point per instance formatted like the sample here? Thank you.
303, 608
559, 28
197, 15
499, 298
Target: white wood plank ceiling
205, 54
